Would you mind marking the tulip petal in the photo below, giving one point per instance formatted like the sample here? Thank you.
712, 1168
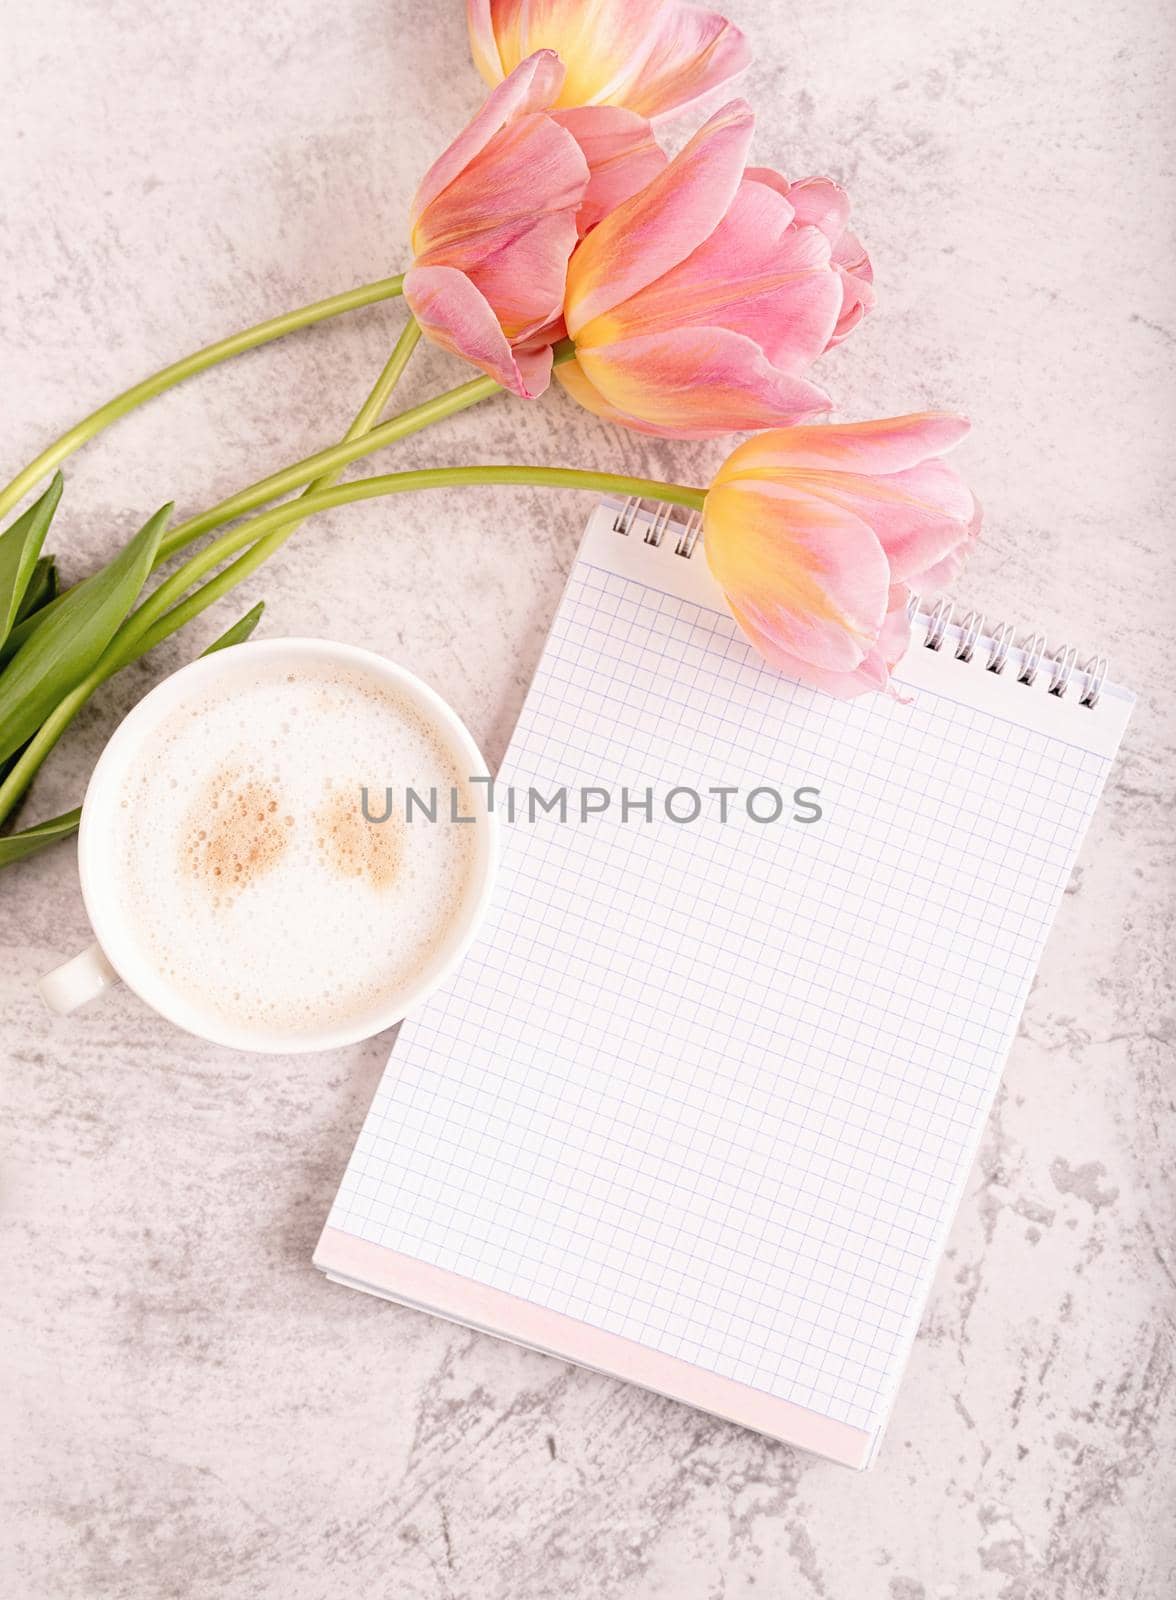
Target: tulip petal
622, 156
821, 203
809, 576
511, 240
533, 365
889, 444
817, 202
523, 278
756, 274
868, 678
529, 168
664, 222
570, 378
920, 515
693, 52
693, 383
483, 43
849, 254
895, 637
455, 314
858, 290
945, 571
597, 39
871, 677
494, 223
652, 56
533, 85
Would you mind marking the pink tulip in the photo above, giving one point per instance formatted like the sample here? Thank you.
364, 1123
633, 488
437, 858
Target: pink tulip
496, 218
818, 535
820, 203
650, 56
698, 305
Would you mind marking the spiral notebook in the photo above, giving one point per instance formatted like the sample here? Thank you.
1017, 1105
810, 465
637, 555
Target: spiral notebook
698, 1107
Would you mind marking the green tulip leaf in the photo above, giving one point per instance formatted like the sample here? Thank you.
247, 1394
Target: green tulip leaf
42, 588
239, 632
16, 846
60, 652
20, 546
35, 609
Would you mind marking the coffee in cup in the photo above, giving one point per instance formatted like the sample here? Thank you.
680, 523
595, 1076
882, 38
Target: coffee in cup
259, 861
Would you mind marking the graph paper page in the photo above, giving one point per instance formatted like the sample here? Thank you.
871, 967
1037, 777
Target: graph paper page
714, 1088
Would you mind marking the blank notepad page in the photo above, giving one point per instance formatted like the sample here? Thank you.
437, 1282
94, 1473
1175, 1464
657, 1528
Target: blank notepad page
699, 1105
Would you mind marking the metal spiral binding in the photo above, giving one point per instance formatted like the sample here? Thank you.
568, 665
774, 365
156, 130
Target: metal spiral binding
1062, 664
1031, 653
627, 515
970, 630
656, 530
995, 648
937, 624
661, 521
1002, 643
689, 536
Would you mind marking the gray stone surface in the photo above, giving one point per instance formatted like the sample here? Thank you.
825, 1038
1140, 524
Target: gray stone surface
189, 1410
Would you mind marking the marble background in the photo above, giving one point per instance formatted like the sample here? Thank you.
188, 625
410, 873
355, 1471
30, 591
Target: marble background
188, 1409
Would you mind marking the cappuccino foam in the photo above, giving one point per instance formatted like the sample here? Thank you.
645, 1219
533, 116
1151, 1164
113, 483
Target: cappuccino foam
251, 879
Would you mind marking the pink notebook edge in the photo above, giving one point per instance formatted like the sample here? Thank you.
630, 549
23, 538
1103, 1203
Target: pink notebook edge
391, 1275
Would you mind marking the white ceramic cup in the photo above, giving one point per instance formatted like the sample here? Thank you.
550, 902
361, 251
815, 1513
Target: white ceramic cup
115, 956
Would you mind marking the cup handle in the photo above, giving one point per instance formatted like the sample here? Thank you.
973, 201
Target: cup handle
77, 982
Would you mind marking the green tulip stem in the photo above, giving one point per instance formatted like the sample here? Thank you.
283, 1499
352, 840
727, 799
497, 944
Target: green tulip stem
267, 532
165, 611
361, 439
322, 469
199, 361
325, 465
368, 414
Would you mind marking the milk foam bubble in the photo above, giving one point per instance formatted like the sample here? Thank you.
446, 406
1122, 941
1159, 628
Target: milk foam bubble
251, 880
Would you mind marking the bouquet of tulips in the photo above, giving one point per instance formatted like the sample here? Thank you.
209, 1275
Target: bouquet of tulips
687, 298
